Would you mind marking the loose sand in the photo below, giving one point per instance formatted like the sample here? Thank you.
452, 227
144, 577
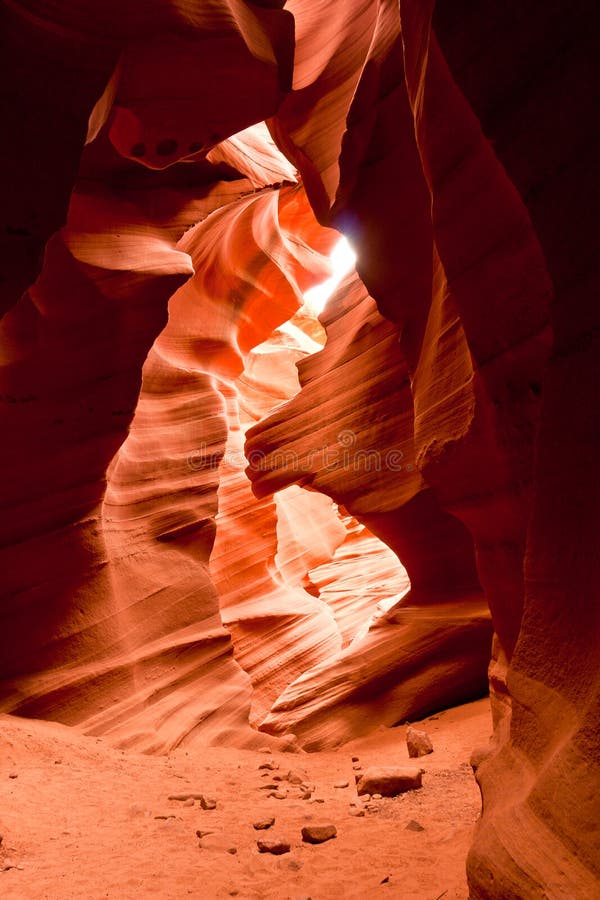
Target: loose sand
82, 820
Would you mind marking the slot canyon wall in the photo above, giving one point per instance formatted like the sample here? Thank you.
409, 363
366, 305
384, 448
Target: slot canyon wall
154, 242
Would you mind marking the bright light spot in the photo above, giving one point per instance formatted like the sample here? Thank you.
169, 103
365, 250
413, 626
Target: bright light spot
342, 260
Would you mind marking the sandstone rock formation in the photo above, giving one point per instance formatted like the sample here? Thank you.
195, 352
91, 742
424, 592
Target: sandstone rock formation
153, 236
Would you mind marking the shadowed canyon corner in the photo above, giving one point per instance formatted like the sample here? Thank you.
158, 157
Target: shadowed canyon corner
299, 567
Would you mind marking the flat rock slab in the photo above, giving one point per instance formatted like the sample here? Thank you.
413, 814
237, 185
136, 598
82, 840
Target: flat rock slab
318, 834
389, 781
277, 847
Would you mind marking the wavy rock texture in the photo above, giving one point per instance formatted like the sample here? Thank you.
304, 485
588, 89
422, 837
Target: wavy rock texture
463, 241
433, 646
454, 143
282, 617
127, 639
278, 629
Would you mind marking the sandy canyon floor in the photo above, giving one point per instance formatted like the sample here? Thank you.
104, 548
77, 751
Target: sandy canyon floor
82, 820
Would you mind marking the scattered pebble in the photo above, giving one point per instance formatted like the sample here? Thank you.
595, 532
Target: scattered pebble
413, 825
306, 795
269, 765
277, 847
356, 759
318, 834
13, 775
341, 784
278, 795
263, 824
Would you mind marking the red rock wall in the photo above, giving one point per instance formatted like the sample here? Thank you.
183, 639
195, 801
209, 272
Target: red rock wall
348, 433
476, 240
461, 161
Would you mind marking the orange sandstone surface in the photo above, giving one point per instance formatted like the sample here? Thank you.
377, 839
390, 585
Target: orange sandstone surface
226, 525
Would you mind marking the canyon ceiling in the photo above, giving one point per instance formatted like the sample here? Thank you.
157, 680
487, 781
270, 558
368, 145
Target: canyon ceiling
162, 585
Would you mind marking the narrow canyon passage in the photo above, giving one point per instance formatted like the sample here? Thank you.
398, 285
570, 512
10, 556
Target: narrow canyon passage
234, 519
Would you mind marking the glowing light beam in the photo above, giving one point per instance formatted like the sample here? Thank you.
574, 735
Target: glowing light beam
342, 260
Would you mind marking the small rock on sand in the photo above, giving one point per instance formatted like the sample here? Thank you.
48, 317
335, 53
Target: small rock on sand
219, 842
418, 743
389, 780
208, 802
263, 824
413, 825
277, 847
318, 834
341, 784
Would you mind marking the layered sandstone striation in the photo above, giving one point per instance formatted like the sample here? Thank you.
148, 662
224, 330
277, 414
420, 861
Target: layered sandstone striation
152, 237
349, 433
